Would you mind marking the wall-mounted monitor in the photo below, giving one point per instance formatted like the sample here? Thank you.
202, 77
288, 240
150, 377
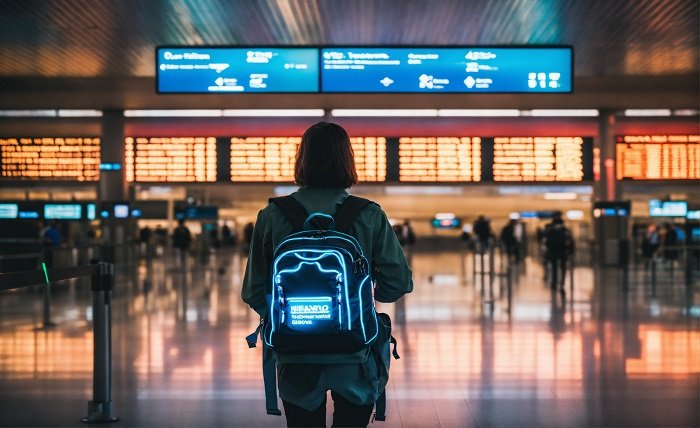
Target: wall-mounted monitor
8, 211
217, 70
63, 211
474, 69
658, 208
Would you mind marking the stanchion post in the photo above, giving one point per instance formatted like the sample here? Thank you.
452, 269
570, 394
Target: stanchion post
100, 407
47, 263
571, 275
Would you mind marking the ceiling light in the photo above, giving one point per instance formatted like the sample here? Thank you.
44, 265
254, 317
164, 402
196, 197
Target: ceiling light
647, 112
80, 113
172, 113
686, 112
275, 113
560, 196
384, 113
478, 113
562, 113
27, 113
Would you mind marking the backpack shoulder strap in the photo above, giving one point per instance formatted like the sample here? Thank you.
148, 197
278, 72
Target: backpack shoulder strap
348, 211
293, 211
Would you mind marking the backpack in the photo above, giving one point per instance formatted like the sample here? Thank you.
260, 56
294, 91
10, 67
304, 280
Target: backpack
321, 292
321, 297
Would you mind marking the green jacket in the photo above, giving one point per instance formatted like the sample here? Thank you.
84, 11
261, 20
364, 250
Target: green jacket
304, 381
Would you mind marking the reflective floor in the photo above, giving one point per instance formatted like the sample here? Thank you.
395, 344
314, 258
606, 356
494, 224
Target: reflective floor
476, 350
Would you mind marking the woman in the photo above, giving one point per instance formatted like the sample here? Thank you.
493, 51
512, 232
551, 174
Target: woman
324, 169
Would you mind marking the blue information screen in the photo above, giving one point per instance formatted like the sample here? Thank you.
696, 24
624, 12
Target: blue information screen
464, 69
233, 70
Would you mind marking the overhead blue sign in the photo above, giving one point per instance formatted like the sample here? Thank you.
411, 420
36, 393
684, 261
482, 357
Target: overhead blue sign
464, 70
235, 70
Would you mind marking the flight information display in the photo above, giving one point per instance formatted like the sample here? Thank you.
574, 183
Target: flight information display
439, 159
658, 157
235, 70
171, 159
540, 159
271, 159
58, 159
458, 69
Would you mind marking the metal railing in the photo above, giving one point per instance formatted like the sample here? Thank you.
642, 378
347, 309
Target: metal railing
102, 279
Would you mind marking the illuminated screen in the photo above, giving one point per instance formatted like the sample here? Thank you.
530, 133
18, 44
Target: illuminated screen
436, 159
8, 211
271, 159
63, 211
57, 159
541, 159
171, 159
659, 208
91, 211
435, 69
236, 70
658, 157
121, 211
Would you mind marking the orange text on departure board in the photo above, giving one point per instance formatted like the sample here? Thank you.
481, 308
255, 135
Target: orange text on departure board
534, 159
658, 157
65, 159
438, 159
271, 159
171, 159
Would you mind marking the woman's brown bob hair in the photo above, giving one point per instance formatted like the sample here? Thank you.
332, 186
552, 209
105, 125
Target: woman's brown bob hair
325, 158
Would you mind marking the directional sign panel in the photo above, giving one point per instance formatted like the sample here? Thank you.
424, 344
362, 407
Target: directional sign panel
459, 69
236, 70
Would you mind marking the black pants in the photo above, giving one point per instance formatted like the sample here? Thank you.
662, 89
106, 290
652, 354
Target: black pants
558, 275
345, 414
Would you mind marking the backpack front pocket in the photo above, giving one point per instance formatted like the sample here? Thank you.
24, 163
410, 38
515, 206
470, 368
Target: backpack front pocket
304, 315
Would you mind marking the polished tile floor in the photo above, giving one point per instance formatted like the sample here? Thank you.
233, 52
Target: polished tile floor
474, 351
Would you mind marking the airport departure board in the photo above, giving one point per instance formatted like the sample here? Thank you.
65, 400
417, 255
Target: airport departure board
263, 159
658, 157
440, 159
271, 159
539, 159
171, 159
53, 159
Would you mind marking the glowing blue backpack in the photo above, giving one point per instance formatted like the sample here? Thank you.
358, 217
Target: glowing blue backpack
320, 297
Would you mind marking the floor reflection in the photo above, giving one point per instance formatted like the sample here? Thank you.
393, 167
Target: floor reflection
481, 350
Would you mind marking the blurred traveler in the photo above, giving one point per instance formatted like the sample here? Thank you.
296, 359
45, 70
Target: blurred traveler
509, 240
182, 239
407, 233
161, 236
559, 247
145, 240
228, 236
670, 241
248, 234
482, 232
651, 242
324, 169
52, 235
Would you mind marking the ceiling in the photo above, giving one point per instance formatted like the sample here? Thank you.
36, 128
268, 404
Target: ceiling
108, 46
